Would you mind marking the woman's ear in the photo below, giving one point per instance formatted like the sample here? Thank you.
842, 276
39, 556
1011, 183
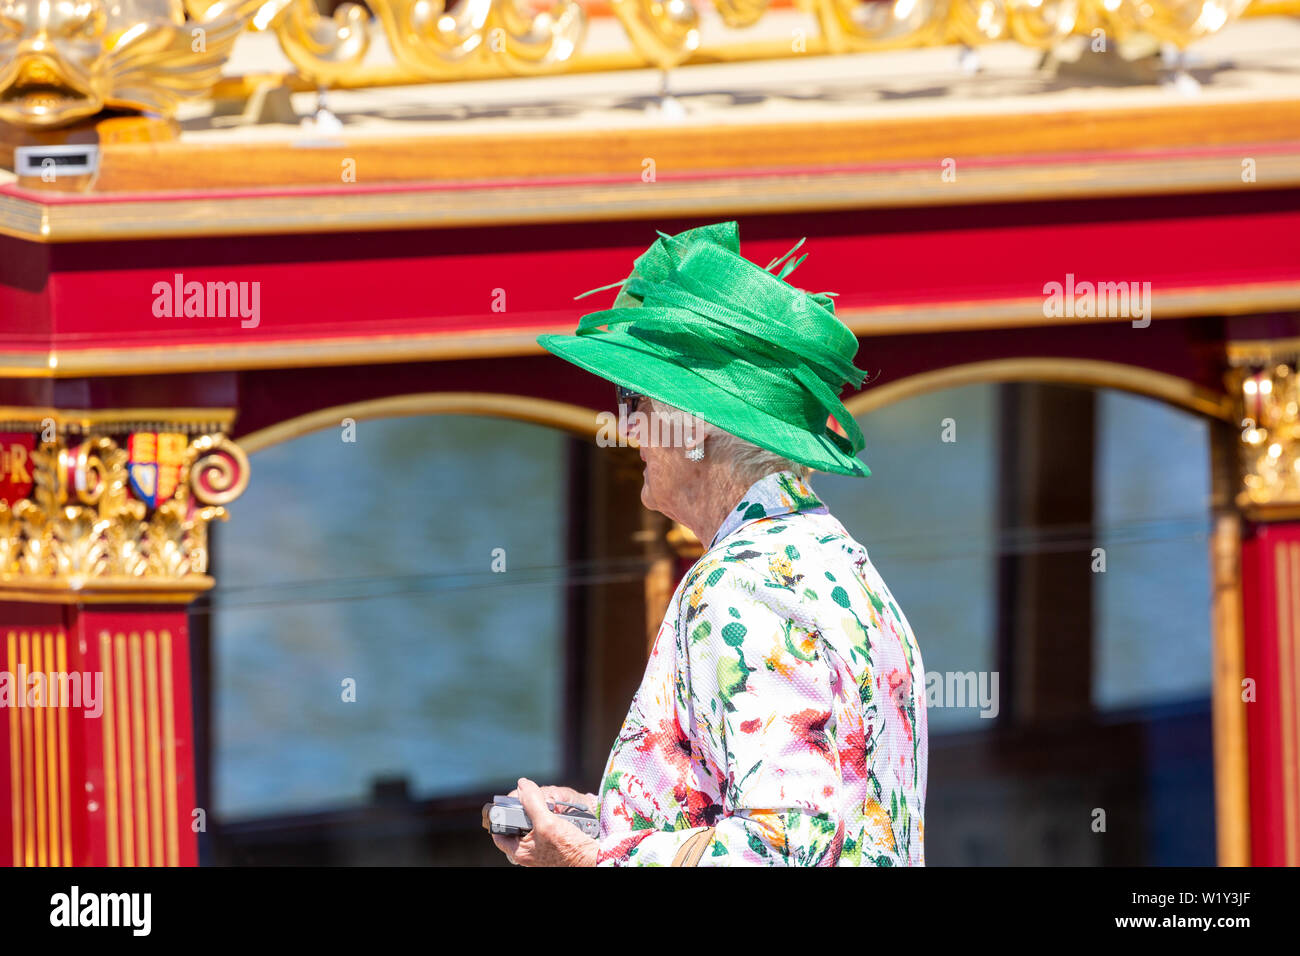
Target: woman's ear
695, 435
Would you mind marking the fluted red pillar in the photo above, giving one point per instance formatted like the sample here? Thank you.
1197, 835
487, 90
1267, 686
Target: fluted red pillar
1271, 602
99, 756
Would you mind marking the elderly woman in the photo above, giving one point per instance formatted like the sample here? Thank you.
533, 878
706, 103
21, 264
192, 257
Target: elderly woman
781, 719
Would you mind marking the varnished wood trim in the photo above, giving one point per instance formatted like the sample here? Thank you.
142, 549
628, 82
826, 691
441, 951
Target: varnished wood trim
1231, 746
1151, 123
809, 186
1265, 513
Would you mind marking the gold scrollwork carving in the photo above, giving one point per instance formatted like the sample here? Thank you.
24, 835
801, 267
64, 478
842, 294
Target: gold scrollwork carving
535, 44
851, 25
216, 470
665, 32
1043, 24
1180, 22
81, 523
324, 49
429, 38
1035, 24
1270, 435
426, 37
740, 13
64, 60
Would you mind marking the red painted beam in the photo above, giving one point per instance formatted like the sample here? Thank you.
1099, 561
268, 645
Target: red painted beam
86, 295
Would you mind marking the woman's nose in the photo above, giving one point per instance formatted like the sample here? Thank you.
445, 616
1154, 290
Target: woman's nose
636, 421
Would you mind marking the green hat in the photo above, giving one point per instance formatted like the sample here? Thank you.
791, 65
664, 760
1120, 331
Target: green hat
698, 326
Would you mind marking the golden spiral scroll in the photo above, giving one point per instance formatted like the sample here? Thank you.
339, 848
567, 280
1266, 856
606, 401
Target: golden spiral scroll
535, 44
219, 470
665, 32
425, 37
852, 26
1180, 22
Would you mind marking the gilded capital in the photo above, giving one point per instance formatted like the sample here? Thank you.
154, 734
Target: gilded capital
93, 509
1266, 387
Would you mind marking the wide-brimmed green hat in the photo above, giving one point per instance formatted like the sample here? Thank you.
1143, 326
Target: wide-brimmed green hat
698, 326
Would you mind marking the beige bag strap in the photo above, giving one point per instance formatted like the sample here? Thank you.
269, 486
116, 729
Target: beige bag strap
693, 849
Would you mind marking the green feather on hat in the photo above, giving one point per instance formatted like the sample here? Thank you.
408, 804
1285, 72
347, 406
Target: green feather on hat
699, 327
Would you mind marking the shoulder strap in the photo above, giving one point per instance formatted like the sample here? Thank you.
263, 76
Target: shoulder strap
693, 849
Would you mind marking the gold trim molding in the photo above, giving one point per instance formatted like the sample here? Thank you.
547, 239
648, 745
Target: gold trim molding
575, 419
116, 420
1085, 372
1247, 352
108, 590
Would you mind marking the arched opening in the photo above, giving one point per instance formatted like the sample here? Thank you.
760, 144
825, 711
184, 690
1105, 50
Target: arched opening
1043, 528
406, 619
1046, 530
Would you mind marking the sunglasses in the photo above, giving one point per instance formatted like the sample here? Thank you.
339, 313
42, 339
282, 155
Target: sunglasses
627, 397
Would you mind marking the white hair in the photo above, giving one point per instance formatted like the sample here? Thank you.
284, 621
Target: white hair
747, 460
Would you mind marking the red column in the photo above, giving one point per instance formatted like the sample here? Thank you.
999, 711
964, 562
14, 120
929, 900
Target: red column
98, 768
1271, 602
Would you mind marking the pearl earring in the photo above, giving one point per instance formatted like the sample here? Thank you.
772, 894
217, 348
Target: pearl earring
695, 454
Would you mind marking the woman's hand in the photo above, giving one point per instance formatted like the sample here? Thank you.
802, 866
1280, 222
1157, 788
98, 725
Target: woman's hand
553, 841
566, 795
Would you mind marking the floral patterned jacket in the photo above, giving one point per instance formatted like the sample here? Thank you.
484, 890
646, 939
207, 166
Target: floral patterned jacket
783, 704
